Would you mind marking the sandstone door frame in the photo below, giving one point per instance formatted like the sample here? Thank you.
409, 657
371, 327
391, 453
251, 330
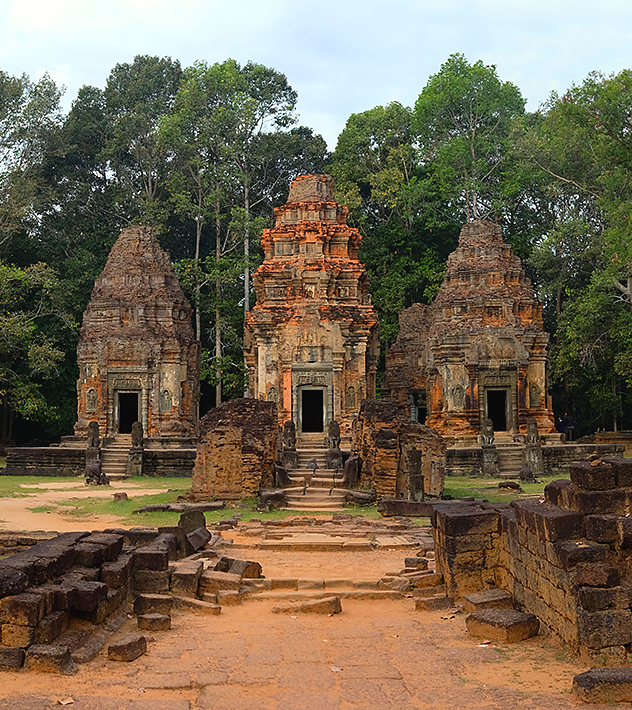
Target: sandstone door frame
117, 407
509, 424
312, 388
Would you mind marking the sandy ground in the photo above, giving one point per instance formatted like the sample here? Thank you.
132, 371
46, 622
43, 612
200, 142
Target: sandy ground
378, 654
16, 513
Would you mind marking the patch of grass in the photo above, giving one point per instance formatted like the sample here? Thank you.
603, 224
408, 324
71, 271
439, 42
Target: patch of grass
43, 509
11, 486
463, 486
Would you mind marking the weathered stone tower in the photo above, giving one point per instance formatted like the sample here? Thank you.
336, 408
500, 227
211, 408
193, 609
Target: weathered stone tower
311, 341
480, 350
137, 354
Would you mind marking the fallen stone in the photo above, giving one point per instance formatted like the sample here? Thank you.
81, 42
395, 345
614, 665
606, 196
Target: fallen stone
419, 562
153, 604
119, 495
604, 685
47, 658
154, 622
188, 604
12, 581
435, 603
506, 625
11, 658
228, 597
127, 648
487, 599
51, 626
212, 581
432, 579
198, 538
327, 605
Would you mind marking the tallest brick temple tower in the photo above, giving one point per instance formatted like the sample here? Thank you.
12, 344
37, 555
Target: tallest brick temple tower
311, 341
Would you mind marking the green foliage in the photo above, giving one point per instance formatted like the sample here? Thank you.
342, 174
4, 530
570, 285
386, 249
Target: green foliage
461, 120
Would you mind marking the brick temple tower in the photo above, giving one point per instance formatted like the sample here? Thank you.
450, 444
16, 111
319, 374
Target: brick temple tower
479, 350
137, 354
311, 342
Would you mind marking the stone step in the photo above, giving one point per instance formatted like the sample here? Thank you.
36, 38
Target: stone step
308, 504
300, 595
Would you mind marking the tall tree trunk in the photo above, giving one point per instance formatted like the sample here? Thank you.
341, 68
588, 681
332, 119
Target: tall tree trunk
247, 246
196, 273
218, 293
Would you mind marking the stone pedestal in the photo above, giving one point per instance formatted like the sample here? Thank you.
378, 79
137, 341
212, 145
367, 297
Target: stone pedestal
334, 458
135, 462
289, 460
416, 490
490, 460
535, 459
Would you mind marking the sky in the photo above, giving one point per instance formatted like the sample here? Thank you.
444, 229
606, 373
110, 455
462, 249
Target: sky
341, 57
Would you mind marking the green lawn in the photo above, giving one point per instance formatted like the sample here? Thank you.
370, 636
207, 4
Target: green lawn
86, 508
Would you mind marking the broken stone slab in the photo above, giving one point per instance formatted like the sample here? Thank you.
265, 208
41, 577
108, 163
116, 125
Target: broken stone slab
487, 599
418, 562
604, 685
212, 581
48, 658
154, 622
228, 597
326, 605
505, 625
153, 604
84, 646
198, 538
51, 626
609, 657
435, 603
127, 648
244, 568
192, 520
398, 584
188, 604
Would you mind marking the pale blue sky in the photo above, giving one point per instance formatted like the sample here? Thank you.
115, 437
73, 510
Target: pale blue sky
342, 57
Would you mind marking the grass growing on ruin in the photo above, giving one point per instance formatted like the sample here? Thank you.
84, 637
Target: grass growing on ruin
463, 486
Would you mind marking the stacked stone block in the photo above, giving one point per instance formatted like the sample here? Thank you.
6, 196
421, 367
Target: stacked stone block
567, 558
89, 576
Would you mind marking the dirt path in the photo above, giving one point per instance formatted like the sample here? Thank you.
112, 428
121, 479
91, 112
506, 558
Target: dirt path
379, 654
17, 513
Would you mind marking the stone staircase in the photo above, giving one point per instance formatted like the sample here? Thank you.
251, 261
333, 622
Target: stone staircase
314, 489
114, 457
510, 459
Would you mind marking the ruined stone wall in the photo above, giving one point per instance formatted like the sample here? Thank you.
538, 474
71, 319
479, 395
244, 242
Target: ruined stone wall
566, 558
384, 438
45, 461
236, 451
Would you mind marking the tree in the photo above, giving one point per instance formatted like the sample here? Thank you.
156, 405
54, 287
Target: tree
32, 305
29, 113
138, 96
461, 120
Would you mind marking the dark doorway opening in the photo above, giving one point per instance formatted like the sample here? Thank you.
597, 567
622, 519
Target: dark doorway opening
497, 409
128, 411
312, 411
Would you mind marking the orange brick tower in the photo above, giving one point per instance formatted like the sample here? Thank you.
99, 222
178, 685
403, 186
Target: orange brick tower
137, 354
479, 350
311, 342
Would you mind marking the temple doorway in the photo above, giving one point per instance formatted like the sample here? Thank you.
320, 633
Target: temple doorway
312, 411
128, 411
497, 409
